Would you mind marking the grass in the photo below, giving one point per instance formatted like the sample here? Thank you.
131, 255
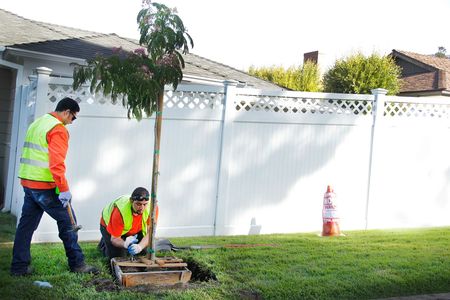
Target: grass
361, 265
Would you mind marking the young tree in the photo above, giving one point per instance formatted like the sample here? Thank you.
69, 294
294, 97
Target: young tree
441, 52
304, 78
138, 78
358, 74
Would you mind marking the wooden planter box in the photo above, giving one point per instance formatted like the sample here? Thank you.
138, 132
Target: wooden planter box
166, 271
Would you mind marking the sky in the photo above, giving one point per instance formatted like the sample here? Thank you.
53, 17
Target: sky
242, 33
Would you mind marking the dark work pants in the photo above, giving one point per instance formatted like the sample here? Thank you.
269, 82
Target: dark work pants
109, 250
35, 203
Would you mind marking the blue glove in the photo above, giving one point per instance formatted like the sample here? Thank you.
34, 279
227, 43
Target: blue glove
65, 198
132, 239
134, 249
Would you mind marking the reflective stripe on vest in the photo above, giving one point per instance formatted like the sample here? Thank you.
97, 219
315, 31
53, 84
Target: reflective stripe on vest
123, 203
34, 163
35, 147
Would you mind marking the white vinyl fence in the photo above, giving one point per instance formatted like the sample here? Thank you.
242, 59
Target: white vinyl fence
246, 161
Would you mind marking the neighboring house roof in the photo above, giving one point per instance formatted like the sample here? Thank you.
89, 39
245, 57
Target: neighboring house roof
423, 74
24, 34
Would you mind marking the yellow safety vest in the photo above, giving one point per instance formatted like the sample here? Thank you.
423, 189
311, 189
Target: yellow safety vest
123, 203
34, 163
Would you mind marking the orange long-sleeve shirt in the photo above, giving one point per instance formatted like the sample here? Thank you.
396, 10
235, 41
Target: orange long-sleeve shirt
58, 144
116, 225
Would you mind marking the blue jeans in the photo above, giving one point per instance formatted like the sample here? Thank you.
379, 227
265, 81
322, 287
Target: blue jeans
109, 250
35, 203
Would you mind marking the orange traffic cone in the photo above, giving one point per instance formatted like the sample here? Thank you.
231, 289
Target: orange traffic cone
329, 214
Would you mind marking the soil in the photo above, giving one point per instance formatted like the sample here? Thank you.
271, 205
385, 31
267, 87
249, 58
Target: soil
104, 284
200, 273
250, 295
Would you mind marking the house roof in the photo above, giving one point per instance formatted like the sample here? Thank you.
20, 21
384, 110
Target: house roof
440, 63
435, 74
25, 34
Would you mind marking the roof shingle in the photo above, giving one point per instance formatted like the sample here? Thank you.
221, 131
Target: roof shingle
25, 34
437, 78
431, 60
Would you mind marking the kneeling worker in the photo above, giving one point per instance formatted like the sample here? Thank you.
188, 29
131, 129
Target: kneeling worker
124, 223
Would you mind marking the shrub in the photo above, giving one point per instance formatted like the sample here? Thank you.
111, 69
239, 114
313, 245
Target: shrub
303, 78
358, 74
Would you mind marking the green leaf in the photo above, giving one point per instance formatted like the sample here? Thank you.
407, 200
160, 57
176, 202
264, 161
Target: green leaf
138, 80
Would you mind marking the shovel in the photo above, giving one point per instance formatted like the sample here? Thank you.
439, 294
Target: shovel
75, 227
166, 245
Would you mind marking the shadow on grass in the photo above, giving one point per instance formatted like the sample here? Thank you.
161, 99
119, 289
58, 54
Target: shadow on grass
7, 227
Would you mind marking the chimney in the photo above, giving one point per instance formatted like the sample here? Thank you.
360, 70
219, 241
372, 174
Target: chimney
319, 58
311, 56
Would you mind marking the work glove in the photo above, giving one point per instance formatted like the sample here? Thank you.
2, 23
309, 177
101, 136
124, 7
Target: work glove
65, 198
134, 249
132, 239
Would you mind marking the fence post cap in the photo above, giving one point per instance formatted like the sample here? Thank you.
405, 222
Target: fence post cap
379, 91
44, 70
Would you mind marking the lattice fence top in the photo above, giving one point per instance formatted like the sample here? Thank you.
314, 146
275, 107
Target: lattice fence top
416, 110
192, 100
303, 105
58, 91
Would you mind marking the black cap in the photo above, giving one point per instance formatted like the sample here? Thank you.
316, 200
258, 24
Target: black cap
140, 194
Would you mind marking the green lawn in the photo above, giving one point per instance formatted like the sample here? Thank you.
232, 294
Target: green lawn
361, 265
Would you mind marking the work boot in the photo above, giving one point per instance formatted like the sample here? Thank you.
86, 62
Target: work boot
87, 269
27, 272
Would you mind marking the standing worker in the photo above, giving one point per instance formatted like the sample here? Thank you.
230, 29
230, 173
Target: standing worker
42, 172
124, 223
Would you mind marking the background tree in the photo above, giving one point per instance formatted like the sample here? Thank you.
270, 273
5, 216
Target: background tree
358, 74
442, 52
302, 78
138, 78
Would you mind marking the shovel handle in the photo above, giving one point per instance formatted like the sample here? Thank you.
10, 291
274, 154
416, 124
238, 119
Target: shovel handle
69, 210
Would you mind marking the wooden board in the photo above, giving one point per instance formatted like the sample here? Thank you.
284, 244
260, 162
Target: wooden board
140, 264
159, 275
